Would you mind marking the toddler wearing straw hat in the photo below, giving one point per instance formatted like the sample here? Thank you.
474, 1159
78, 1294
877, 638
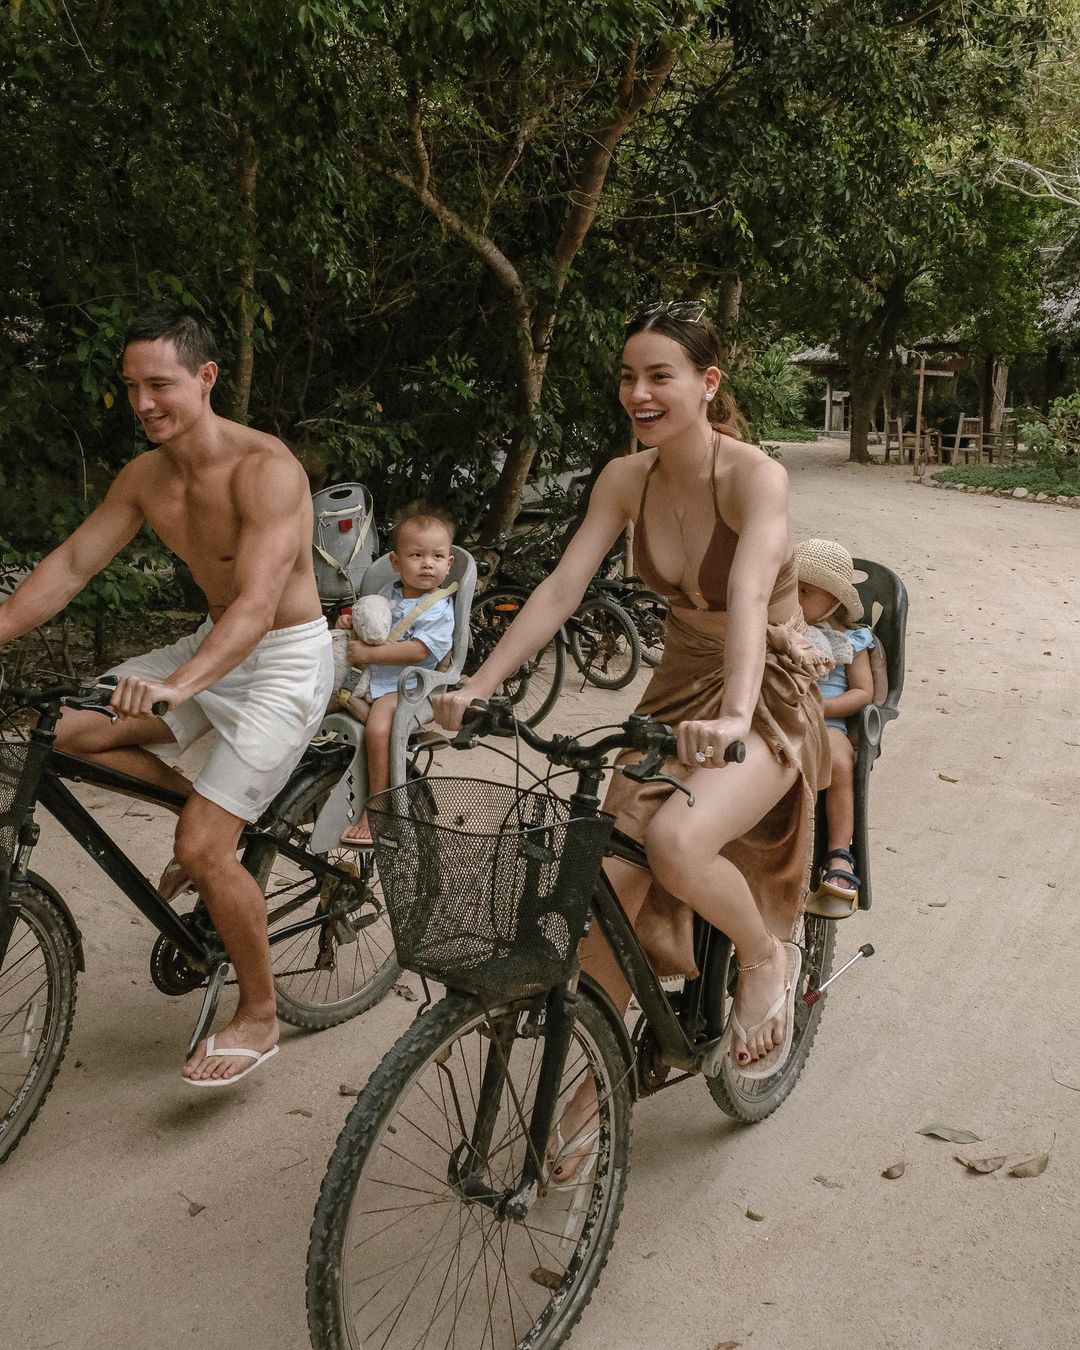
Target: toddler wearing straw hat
832, 608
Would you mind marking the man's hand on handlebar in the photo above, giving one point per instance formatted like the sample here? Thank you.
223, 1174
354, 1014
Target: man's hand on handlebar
135, 697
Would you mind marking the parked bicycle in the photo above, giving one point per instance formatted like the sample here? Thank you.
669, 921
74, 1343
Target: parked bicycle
438, 1221
331, 946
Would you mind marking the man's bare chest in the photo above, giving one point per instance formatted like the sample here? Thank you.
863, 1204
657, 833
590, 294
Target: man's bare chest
198, 522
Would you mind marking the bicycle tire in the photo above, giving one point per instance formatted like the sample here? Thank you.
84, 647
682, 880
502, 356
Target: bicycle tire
39, 925
747, 1099
601, 634
312, 990
534, 688
649, 614
361, 1163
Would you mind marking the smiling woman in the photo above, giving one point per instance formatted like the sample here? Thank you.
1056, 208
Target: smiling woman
711, 533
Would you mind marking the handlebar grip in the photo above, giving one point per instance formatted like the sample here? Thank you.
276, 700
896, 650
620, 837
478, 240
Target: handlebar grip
160, 708
735, 753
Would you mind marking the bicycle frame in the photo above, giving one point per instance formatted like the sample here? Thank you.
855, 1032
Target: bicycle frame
71, 815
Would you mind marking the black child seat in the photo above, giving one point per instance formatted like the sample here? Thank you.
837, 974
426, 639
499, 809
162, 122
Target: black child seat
883, 595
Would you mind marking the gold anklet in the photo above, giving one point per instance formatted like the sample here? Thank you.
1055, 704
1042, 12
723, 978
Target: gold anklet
745, 970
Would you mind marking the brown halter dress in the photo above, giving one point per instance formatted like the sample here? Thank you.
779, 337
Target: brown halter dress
688, 685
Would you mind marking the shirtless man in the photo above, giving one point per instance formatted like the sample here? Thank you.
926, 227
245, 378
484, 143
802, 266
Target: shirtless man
234, 505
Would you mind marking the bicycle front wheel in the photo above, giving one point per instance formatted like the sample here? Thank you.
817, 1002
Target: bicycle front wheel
605, 644
407, 1246
37, 1008
534, 687
330, 971
752, 1099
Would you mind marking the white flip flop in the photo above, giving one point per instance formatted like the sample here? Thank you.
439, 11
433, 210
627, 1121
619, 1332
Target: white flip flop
230, 1052
777, 1057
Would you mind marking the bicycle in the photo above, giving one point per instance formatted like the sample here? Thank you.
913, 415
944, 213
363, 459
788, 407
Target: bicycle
534, 688
332, 951
604, 641
437, 1217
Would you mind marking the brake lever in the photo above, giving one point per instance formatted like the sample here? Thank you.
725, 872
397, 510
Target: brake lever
642, 772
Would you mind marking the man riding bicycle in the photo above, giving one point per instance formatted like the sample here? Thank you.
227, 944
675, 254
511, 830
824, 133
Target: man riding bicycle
234, 504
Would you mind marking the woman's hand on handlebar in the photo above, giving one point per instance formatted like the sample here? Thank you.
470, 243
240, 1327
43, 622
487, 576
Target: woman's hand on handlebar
694, 740
449, 708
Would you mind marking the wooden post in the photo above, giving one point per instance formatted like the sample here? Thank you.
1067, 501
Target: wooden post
917, 458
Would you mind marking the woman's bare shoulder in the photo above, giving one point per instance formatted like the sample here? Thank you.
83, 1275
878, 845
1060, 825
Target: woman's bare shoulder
624, 478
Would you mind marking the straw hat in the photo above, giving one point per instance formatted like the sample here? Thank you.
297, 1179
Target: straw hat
825, 563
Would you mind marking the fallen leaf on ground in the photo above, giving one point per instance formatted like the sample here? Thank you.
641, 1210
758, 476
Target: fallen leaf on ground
828, 1184
550, 1279
346, 1091
937, 904
300, 1111
980, 1164
727, 1345
193, 1206
753, 1214
889, 849
946, 779
403, 991
949, 1132
896, 1170
1031, 1167
649, 1256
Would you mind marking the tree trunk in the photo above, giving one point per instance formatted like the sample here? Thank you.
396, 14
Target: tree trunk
247, 171
863, 400
507, 499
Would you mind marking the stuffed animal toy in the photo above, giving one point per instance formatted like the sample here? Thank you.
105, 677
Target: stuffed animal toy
371, 621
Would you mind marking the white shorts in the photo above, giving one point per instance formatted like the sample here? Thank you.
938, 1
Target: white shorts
265, 711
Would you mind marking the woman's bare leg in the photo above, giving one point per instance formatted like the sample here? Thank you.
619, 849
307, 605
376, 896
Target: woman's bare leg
683, 843
598, 960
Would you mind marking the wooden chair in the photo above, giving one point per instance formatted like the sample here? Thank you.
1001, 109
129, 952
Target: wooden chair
968, 440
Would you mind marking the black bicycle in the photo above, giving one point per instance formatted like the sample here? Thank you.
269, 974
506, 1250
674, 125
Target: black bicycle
438, 1222
331, 946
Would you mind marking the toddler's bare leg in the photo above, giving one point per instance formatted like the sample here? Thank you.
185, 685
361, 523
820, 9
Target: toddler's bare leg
380, 718
840, 797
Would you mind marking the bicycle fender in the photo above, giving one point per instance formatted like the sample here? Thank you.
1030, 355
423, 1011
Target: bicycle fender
61, 904
602, 999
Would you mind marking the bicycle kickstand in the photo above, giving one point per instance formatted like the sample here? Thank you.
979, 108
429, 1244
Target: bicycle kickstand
214, 987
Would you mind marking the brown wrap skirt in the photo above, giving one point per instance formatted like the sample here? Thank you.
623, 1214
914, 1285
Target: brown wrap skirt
776, 855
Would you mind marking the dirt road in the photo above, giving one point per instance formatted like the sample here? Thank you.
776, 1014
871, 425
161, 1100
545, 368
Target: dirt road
965, 1016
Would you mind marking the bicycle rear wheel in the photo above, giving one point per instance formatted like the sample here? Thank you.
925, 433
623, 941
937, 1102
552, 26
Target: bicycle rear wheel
752, 1099
604, 643
404, 1250
332, 971
649, 614
534, 688
37, 1009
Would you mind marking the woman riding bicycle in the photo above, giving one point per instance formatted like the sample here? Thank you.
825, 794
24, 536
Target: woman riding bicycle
711, 534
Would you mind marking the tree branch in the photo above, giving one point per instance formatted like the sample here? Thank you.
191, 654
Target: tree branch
634, 93
503, 269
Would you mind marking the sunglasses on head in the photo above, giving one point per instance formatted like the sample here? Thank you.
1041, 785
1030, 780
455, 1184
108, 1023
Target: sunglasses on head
686, 311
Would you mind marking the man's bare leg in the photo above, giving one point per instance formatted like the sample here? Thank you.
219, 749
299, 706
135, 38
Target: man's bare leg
120, 745
206, 840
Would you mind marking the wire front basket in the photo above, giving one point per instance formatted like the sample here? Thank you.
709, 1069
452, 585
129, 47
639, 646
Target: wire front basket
487, 886
20, 765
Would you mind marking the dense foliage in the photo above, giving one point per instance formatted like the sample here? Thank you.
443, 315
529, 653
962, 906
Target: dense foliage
417, 227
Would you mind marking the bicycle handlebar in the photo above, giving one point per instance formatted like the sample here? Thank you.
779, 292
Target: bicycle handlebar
93, 695
656, 740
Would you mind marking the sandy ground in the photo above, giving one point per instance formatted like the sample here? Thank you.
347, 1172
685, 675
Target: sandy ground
965, 1016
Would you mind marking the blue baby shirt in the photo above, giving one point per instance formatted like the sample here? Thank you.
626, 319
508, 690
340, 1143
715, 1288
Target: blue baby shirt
434, 628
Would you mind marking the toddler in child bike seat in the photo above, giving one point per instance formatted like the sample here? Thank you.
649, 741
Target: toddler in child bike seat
832, 608
422, 634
